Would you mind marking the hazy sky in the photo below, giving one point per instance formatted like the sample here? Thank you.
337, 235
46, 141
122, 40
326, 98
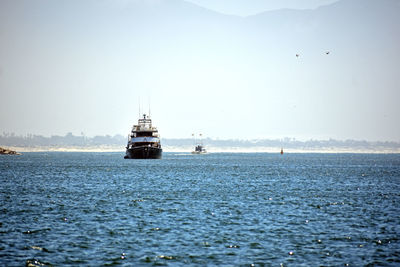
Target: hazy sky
84, 66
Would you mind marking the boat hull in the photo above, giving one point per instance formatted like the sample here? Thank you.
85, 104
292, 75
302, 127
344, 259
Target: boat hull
143, 152
199, 152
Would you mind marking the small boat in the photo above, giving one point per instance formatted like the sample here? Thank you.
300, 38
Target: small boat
143, 141
199, 149
281, 151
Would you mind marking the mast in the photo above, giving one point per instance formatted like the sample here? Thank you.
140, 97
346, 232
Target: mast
149, 108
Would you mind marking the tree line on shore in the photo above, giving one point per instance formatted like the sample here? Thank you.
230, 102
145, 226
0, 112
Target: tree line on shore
70, 140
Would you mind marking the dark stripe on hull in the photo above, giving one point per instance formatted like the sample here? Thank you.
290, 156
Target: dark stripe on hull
143, 152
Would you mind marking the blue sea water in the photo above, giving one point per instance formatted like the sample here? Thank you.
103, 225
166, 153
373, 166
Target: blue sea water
222, 209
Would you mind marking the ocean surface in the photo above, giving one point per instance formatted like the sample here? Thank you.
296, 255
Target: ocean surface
222, 209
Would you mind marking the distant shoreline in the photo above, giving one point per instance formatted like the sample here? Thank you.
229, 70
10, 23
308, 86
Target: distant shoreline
330, 150
117, 143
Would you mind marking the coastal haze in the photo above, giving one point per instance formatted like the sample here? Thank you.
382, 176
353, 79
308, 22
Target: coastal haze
278, 123
87, 67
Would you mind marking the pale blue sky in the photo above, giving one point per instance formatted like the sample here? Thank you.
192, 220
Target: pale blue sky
84, 66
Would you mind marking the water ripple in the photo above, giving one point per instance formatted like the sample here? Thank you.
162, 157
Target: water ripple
258, 209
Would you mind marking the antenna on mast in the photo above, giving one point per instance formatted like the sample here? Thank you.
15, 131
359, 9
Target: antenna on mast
139, 109
149, 108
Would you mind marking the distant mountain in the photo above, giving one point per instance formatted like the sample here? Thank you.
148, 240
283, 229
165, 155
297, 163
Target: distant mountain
339, 25
344, 21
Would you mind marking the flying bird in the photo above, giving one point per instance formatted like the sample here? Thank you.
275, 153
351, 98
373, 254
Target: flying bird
327, 52
297, 55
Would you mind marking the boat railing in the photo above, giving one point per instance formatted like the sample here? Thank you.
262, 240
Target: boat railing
143, 128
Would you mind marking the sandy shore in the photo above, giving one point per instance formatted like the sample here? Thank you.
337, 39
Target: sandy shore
68, 149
